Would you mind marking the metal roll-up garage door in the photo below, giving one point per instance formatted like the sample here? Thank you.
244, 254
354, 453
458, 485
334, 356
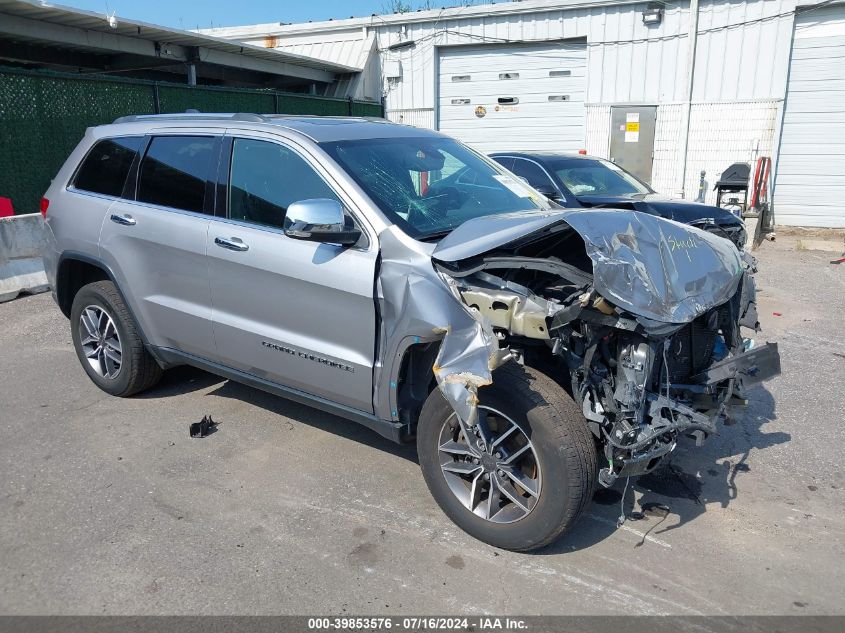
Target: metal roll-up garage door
514, 96
810, 181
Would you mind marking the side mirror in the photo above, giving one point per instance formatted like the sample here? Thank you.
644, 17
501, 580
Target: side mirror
319, 220
550, 192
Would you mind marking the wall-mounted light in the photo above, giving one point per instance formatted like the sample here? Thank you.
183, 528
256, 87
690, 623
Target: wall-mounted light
402, 46
653, 15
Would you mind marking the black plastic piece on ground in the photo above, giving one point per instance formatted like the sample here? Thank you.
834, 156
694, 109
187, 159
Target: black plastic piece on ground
204, 427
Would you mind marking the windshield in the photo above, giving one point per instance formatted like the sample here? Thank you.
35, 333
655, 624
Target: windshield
592, 177
430, 185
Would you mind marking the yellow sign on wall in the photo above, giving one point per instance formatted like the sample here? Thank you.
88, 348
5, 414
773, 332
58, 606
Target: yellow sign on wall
632, 126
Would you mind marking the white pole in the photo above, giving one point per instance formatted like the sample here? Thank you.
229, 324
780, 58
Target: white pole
692, 41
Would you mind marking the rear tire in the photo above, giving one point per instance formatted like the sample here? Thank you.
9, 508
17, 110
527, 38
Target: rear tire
107, 342
559, 479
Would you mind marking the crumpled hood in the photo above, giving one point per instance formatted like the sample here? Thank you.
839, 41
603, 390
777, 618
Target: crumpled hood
655, 268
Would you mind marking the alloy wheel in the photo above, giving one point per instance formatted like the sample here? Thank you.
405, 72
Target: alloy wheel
100, 341
492, 467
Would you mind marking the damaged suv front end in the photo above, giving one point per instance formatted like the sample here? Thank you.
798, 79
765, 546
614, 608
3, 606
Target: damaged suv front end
639, 318
534, 351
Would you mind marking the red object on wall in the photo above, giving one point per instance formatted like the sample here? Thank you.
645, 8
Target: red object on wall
761, 177
6, 208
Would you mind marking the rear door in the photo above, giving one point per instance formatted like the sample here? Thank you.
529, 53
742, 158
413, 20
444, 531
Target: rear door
297, 313
154, 240
98, 181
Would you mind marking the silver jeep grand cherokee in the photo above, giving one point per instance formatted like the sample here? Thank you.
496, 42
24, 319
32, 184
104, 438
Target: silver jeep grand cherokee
396, 278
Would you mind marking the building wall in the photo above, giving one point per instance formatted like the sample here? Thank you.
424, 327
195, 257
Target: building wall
668, 133
597, 142
738, 88
809, 185
720, 134
628, 62
742, 57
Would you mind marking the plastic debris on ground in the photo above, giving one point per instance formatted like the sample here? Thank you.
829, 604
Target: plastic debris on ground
204, 427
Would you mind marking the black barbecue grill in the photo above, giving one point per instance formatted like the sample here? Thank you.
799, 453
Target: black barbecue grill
734, 181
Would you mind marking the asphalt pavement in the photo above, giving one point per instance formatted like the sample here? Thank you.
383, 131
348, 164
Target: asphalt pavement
108, 506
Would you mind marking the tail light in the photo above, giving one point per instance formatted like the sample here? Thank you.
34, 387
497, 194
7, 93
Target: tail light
44, 204
583, 152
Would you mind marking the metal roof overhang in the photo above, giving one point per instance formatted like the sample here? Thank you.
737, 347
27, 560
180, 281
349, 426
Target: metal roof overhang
76, 30
437, 16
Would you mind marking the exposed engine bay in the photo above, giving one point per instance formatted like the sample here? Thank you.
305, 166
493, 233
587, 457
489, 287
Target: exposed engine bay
640, 319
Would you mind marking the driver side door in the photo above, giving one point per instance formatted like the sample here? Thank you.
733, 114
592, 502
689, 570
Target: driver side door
296, 313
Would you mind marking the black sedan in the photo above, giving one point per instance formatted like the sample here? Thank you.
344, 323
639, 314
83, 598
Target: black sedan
575, 180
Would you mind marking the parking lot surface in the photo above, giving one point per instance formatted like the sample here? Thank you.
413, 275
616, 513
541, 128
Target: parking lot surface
108, 506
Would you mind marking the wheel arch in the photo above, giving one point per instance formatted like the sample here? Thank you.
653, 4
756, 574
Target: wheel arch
76, 270
414, 380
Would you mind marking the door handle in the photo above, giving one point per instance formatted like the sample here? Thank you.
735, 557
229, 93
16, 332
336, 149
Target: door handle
233, 244
125, 220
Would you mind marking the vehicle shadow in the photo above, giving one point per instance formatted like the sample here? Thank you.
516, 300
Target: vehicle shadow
676, 493
182, 380
178, 381
680, 489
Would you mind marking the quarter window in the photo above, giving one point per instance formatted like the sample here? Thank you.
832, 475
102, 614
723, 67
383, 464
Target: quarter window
106, 166
266, 178
175, 170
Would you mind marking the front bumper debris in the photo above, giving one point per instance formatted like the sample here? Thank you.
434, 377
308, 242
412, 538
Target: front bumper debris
749, 368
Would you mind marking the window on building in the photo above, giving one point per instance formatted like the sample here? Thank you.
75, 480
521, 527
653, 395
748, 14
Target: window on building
175, 170
266, 178
106, 166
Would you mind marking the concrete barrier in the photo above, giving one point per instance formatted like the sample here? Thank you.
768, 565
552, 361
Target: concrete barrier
22, 242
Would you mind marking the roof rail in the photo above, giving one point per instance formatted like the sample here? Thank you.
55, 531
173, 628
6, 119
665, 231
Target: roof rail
247, 117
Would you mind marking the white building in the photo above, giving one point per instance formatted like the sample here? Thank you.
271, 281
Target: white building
682, 87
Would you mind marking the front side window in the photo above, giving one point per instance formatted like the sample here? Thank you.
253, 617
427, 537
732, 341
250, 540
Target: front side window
532, 172
430, 185
590, 177
175, 170
107, 165
266, 178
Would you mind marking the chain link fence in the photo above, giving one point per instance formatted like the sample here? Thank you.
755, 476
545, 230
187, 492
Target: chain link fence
43, 115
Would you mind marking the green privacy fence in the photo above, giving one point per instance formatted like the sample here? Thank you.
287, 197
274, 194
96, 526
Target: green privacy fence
43, 115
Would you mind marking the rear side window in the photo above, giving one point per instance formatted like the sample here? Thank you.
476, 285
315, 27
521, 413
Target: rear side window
174, 171
106, 166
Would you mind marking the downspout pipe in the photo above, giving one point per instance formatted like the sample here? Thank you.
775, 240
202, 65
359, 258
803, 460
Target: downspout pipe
692, 41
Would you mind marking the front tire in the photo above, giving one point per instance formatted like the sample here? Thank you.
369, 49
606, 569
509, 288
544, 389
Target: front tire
523, 476
107, 342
